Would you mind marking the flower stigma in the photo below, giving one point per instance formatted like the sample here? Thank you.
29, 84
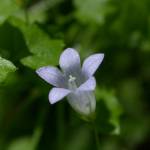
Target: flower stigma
72, 84
71, 78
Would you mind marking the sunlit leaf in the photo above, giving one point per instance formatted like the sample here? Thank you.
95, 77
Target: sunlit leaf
7, 8
6, 67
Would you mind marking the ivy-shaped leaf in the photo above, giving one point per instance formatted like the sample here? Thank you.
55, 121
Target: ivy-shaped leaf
5, 68
45, 51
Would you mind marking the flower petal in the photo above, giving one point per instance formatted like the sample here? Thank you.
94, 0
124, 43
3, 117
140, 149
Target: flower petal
56, 94
69, 60
91, 64
82, 102
89, 85
51, 75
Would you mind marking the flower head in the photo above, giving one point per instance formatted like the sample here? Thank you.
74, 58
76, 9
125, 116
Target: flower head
74, 81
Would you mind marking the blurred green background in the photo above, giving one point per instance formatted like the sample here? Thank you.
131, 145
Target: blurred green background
33, 33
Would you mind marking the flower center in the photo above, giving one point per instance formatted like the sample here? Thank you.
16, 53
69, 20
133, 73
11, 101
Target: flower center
71, 82
72, 78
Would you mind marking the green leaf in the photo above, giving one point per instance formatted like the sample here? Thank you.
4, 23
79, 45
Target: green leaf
44, 50
113, 109
21, 144
27, 142
12, 43
102, 122
6, 67
93, 12
7, 8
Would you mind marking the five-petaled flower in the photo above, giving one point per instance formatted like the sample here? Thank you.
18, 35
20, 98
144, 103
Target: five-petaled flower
73, 81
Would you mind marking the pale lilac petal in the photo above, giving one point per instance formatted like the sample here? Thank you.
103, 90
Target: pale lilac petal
69, 60
91, 64
83, 102
56, 94
89, 85
51, 75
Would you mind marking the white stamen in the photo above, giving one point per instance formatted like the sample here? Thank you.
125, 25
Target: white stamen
72, 84
71, 78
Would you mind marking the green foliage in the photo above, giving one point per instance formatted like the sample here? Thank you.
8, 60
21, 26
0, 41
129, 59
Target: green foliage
44, 50
6, 67
113, 108
93, 12
7, 9
24, 143
33, 33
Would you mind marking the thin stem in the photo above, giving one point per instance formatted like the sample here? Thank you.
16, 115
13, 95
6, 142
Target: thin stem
96, 135
94, 128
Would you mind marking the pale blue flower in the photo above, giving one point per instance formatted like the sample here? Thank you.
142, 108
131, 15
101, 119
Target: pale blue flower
74, 81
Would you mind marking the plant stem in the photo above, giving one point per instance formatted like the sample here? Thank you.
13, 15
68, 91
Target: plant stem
95, 129
96, 136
